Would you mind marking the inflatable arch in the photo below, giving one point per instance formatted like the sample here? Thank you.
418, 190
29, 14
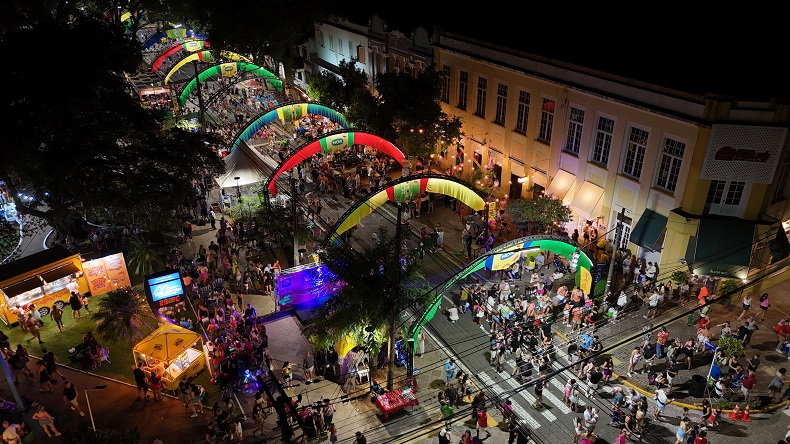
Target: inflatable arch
334, 141
175, 33
189, 46
498, 257
286, 112
406, 189
207, 57
228, 70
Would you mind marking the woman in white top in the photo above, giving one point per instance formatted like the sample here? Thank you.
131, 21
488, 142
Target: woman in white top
578, 429
452, 313
747, 303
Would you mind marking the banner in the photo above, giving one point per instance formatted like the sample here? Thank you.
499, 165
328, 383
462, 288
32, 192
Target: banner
504, 260
228, 69
586, 280
406, 191
334, 143
105, 274
193, 45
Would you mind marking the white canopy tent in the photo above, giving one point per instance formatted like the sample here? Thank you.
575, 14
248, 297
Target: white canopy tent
246, 164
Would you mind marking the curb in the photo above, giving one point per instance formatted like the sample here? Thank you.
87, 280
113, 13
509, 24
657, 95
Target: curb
769, 409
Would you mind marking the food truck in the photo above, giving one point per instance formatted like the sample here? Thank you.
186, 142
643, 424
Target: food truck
45, 279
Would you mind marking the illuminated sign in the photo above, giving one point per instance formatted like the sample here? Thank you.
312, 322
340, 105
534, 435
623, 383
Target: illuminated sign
741, 155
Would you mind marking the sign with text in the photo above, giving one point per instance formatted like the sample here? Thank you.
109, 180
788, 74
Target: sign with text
743, 152
105, 274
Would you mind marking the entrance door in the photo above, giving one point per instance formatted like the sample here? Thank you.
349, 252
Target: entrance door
515, 188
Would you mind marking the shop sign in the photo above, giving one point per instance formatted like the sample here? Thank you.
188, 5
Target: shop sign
743, 152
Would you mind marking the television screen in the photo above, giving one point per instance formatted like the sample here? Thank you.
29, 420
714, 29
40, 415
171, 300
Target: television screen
167, 286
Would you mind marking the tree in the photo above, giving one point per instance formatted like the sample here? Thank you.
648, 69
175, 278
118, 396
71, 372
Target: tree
539, 214
84, 147
145, 255
123, 315
377, 290
275, 227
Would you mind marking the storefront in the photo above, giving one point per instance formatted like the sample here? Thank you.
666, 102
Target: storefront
45, 279
173, 352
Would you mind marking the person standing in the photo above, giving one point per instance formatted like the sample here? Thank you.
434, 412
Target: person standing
11, 434
43, 376
141, 381
75, 301
328, 412
482, 422
661, 402
57, 315
155, 384
183, 391
34, 329
308, 366
359, 438
421, 342
449, 370
70, 398
212, 218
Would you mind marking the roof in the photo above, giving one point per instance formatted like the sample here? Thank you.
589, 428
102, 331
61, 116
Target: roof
34, 261
246, 164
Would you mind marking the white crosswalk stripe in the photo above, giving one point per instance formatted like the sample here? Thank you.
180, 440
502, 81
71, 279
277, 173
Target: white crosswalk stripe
517, 409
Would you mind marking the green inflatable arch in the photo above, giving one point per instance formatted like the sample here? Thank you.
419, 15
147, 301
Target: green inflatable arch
227, 70
559, 245
286, 112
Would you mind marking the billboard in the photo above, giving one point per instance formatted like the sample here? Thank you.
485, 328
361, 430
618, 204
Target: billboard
164, 288
106, 273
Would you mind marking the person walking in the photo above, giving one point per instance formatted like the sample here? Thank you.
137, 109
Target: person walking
70, 398
482, 422
194, 400
636, 355
764, 305
52, 362
308, 366
328, 412
57, 315
34, 329
745, 304
661, 402
141, 381
46, 421
44, 378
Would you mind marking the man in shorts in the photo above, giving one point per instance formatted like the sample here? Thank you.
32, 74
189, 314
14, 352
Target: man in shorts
661, 401
70, 398
140, 380
482, 422
309, 366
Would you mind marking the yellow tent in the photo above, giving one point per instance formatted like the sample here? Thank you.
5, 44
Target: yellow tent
167, 342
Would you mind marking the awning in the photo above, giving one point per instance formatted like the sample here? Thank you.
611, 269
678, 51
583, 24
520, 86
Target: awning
560, 185
587, 199
60, 272
649, 231
723, 248
167, 342
23, 286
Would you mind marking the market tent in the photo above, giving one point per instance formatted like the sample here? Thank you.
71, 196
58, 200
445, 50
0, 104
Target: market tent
244, 163
167, 342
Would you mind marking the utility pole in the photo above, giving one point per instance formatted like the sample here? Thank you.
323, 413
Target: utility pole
394, 309
201, 113
617, 233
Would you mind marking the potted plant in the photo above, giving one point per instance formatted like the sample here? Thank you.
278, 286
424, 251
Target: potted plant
730, 346
726, 290
678, 277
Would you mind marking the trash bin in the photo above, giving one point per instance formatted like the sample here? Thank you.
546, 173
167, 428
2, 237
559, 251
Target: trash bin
697, 386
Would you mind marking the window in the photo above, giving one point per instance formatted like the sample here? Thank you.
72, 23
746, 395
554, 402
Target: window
331, 43
523, 112
463, 89
501, 104
603, 140
446, 84
546, 120
575, 127
669, 169
635, 153
340, 46
734, 193
482, 87
715, 192
350, 49
625, 234
320, 38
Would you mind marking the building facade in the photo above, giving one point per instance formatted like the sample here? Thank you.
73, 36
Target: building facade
672, 166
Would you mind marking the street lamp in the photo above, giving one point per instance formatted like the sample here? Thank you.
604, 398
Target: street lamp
88, 401
238, 189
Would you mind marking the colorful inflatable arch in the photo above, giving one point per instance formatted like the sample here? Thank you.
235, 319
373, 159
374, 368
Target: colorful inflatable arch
189, 46
331, 142
287, 112
406, 189
175, 33
228, 70
207, 57
559, 245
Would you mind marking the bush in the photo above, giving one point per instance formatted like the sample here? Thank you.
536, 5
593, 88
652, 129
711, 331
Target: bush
679, 277
730, 346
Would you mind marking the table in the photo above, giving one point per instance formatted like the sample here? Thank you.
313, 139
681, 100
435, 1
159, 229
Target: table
395, 400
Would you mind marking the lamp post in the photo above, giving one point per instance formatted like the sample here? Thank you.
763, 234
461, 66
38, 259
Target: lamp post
88, 401
238, 188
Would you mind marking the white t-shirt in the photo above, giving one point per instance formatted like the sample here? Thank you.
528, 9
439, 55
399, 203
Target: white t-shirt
661, 397
654, 299
10, 433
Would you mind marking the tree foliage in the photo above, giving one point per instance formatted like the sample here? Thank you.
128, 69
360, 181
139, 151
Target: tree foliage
539, 214
123, 315
78, 140
374, 289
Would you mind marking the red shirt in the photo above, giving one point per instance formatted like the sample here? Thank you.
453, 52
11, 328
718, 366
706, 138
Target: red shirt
749, 381
482, 418
662, 337
701, 440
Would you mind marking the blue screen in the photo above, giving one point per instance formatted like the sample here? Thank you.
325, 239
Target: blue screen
167, 286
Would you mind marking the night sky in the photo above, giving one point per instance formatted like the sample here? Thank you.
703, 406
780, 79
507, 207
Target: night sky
696, 48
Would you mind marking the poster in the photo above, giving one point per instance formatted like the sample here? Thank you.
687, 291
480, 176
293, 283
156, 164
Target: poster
586, 280
105, 274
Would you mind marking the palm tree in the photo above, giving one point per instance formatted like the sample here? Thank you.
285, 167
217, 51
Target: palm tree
144, 255
123, 315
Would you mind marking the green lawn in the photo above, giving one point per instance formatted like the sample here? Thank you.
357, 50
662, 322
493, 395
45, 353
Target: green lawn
122, 361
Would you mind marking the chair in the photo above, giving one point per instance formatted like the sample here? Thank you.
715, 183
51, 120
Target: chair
363, 373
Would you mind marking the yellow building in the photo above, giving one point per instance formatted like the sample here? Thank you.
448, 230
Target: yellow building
685, 168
